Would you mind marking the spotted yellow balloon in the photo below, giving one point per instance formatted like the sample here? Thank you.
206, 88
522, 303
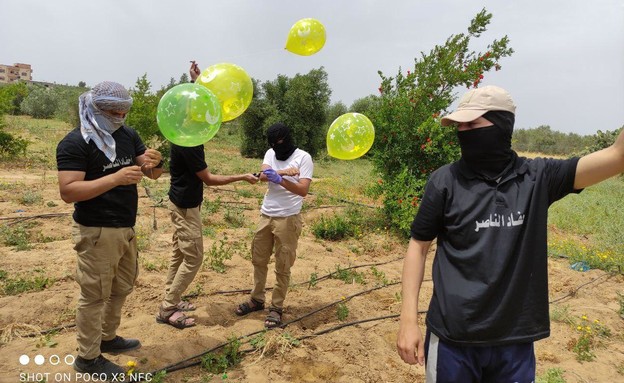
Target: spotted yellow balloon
232, 86
306, 37
350, 136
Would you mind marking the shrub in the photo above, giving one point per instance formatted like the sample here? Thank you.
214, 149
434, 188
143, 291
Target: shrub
332, 228
11, 146
409, 141
300, 102
601, 140
41, 102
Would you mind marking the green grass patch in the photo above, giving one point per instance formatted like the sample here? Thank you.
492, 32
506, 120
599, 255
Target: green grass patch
24, 283
552, 375
348, 276
597, 214
18, 236
42, 135
216, 256
352, 222
218, 363
594, 256
337, 181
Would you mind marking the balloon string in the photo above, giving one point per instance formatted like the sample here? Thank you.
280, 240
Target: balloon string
150, 169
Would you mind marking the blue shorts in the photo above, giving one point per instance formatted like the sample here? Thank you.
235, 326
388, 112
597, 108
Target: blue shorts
445, 363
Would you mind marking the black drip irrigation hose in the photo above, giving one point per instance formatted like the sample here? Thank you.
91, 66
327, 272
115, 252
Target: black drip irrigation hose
323, 277
15, 220
183, 365
188, 362
576, 290
71, 325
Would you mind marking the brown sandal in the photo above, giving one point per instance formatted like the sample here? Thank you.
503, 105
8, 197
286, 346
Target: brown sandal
176, 319
249, 307
186, 306
274, 319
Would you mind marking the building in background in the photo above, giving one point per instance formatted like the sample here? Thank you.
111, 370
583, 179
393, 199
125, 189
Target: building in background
15, 72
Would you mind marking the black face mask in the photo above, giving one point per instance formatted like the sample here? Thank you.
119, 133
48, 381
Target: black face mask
487, 151
281, 141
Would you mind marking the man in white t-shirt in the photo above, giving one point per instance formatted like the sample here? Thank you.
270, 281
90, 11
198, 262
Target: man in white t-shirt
280, 223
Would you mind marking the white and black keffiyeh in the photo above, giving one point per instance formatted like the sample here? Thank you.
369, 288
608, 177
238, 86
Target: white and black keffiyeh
96, 121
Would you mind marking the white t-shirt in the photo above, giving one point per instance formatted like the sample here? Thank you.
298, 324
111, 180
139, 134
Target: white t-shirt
279, 202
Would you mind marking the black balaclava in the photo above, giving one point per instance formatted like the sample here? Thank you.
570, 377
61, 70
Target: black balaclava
487, 151
280, 132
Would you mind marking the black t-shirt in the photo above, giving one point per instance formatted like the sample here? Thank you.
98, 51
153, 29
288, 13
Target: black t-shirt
118, 206
186, 190
490, 269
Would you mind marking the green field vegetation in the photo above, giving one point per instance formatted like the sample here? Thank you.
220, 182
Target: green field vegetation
42, 136
588, 225
593, 221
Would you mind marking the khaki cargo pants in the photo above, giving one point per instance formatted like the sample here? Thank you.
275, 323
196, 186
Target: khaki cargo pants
281, 233
188, 254
106, 272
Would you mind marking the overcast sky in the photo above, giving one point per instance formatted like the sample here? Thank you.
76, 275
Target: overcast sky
567, 70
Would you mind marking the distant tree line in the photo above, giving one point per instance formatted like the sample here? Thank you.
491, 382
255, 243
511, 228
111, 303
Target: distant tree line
546, 141
302, 101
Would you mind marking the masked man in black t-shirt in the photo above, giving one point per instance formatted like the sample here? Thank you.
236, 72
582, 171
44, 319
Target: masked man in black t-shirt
488, 212
189, 172
99, 165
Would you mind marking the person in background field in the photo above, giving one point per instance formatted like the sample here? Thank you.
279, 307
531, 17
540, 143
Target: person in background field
488, 212
99, 165
280, 223
189, 172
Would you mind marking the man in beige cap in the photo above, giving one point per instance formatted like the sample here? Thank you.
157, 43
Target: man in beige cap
488, 212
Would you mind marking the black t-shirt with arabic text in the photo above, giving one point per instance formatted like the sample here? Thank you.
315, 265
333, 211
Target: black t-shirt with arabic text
118, 206
490, 269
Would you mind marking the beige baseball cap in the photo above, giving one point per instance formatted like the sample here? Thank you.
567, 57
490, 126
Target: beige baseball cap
476, 102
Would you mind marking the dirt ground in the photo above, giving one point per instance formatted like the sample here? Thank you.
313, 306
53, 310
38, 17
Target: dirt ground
363, 352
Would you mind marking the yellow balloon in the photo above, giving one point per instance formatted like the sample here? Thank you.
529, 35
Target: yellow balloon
350, 136
232, 86
306, 37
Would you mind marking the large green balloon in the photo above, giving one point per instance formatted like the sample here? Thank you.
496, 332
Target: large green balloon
189, 115
350, 136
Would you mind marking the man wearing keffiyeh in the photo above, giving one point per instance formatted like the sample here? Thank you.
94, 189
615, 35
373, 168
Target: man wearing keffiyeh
99, 165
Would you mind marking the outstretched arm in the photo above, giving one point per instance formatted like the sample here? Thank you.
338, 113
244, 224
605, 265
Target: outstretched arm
410, 343
215, 179
598, 166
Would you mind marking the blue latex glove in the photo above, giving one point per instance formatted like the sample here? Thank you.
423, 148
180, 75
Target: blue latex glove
272, 176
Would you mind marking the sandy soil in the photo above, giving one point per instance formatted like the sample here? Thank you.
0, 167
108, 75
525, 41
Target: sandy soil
362, 352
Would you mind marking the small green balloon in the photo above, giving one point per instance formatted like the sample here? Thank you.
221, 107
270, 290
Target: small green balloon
350, 136
189, 115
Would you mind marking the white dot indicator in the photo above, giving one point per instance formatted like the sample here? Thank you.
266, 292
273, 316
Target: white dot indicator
24, 360
39, 360
54, 359
69, 359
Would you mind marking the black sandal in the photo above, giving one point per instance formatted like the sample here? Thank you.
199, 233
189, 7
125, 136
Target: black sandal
274, 319
249, 307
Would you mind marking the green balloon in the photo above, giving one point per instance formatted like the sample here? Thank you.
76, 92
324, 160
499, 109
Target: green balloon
350, 136
189, 115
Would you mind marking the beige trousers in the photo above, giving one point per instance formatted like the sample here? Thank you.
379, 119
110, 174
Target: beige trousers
187, 256
106, 272
281, 233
